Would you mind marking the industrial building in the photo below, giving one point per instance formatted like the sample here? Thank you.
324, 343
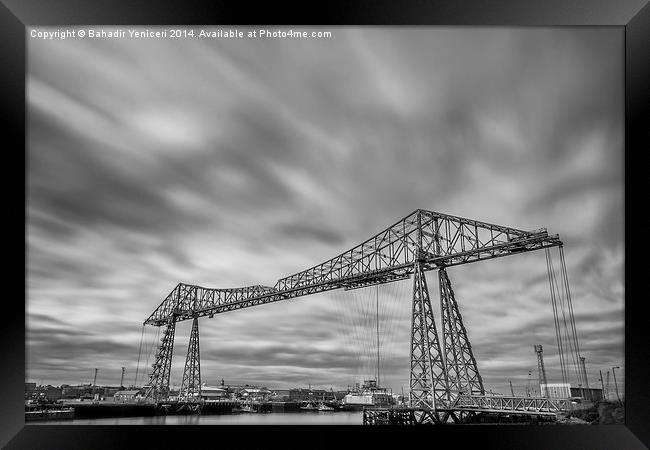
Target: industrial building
126, 396
213, 392
590, 394
555, 390
564, 390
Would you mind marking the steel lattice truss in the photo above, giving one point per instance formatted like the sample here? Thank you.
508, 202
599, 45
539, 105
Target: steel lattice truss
399, 416
437, 240
462, 372
428, 381
525, 405
191, 385
158, 387
443, 384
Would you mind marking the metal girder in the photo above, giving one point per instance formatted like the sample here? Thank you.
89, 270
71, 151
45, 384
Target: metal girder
186, 299
462, 372
399, 416
437, 240
428, 378
158, 387
191, 385
523, 405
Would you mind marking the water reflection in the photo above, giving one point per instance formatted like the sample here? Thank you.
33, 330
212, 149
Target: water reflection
329, 418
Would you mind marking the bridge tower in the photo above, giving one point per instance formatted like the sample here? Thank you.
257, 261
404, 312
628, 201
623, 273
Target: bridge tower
541, 370
429, 388
191, 386
462, 371
158, 387
444, 379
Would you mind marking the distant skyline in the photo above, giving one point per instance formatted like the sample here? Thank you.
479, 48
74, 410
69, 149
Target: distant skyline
231, 162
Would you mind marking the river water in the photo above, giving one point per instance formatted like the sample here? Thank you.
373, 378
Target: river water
296, 418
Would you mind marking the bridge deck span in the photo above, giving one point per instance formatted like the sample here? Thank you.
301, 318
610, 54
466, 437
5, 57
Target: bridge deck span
473, 404
434, 239
511, 405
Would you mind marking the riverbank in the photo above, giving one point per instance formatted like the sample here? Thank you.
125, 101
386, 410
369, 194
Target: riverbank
601, 413
99, 410
286, 418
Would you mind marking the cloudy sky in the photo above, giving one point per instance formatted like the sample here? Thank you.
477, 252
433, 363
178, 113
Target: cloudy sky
227, 163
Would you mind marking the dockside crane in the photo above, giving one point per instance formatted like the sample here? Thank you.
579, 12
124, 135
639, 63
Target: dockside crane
541, 370
94, 381
122, 378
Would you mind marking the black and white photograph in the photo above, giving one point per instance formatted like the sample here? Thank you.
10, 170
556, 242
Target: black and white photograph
324, 225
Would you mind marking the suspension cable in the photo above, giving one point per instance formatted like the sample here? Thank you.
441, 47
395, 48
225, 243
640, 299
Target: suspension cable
369, 335
377, 312
356, 317
564, 303
565, 277
359, 323
569, 342
137, 368
388, 338
151, 347
556, 321
342, 328
560, 299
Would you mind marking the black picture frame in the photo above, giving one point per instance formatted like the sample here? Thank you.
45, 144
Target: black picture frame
633, 15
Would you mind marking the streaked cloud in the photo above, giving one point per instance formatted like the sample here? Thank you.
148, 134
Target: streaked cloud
233, 162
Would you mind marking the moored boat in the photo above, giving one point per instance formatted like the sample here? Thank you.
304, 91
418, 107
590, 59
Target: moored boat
309, 407
370, 395
245, 409
49, 414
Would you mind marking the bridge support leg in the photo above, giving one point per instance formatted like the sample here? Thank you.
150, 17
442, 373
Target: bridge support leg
428, 379
462, 372
158, 389
191, 386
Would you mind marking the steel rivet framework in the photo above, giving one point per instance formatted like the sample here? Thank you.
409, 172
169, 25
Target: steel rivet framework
438, 240
441, 378
158, 387
462, 371
191, 385
429, 388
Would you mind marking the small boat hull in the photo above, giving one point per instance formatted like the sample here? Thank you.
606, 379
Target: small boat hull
49, 414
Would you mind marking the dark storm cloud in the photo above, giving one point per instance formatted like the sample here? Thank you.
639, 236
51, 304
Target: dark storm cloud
228, 163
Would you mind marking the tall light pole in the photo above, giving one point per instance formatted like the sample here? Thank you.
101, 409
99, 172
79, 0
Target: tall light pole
541, 370
616, 384
602, 391
584, 376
